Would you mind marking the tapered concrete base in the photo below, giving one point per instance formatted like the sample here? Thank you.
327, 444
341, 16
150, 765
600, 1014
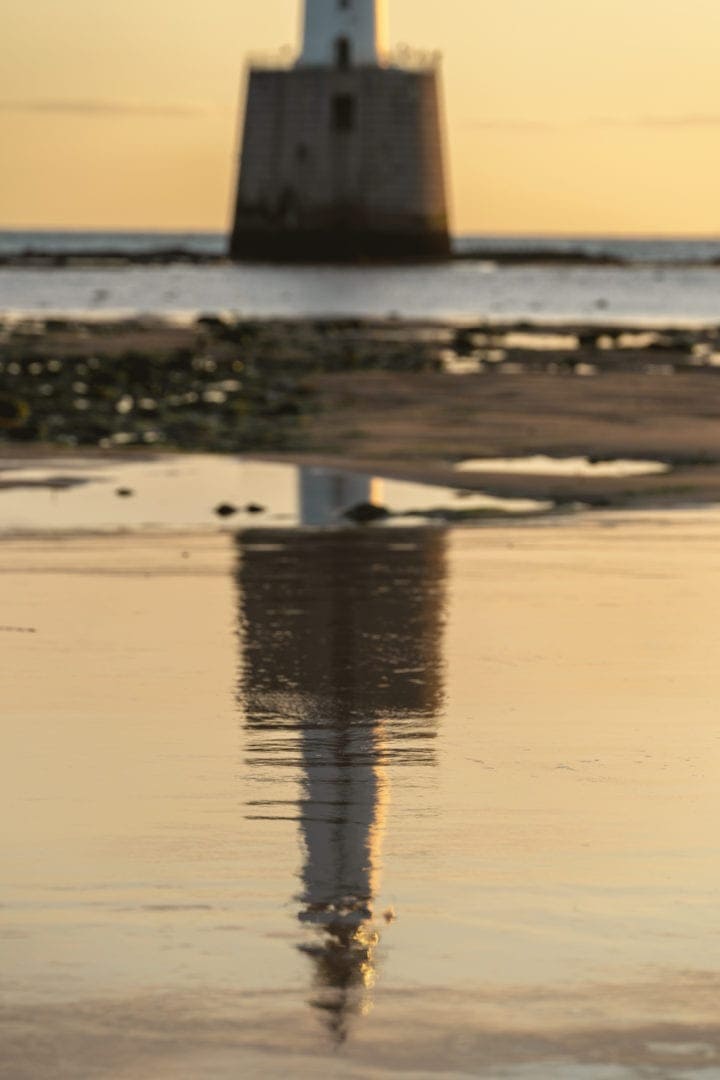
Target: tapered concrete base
341, 165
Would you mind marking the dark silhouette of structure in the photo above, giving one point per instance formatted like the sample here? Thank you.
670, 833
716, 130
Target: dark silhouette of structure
342, 153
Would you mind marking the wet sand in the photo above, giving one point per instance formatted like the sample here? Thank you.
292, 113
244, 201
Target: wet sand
481, 843
419, 427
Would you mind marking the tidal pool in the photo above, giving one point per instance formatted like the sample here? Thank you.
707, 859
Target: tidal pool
181, 491
543, 465
362, 802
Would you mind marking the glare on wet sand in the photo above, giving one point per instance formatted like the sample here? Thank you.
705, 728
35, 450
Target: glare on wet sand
245, 749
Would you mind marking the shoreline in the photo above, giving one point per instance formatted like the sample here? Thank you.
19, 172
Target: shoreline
40, 319
405, 399
167, 258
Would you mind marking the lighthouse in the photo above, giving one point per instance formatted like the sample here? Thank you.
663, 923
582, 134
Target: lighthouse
342, 150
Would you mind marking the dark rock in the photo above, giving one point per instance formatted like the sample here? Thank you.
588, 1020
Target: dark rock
211, 322
255, 508
13, 411
124, 492
226, 510
366, 513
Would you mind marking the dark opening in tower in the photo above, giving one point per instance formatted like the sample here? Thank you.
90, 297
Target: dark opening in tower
343, 112
343, 53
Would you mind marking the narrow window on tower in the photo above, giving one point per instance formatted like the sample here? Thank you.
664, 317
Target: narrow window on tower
343, 53
343, 112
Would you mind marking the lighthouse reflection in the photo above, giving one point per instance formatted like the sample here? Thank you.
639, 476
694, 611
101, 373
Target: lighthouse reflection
341, 683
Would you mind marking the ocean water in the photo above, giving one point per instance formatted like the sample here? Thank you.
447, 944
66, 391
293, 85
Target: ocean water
657, 287
630, 249
362, 803
464, 291
88, 242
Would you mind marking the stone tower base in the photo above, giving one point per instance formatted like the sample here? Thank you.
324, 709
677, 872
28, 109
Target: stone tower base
341, 165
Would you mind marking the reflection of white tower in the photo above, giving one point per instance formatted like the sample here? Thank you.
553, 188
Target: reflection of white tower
345, 786
341, 679
344, 33
326, 493
343, 822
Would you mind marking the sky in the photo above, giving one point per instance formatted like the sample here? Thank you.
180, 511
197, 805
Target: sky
562, 116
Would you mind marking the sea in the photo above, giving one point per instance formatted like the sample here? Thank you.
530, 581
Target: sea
654, 281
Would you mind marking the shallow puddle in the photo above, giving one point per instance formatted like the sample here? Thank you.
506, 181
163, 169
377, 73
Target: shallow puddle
197, 491
542, 465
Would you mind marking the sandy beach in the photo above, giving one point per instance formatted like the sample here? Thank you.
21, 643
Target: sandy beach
229, 855
431, 796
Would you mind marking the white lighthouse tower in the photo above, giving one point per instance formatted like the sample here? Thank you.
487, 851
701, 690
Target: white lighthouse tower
344, 33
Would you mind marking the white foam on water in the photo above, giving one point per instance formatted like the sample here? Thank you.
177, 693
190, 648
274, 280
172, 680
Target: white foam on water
462, 291
542, 465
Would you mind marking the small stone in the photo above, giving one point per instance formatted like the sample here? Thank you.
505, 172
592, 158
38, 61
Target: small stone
226, 510
124, 492
13, 411
255, 508
365, 513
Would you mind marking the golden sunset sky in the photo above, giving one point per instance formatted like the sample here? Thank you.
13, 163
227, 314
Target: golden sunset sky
563, 116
